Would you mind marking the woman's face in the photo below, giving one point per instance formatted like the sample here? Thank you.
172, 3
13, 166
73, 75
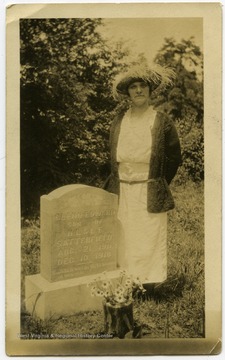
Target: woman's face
139, 93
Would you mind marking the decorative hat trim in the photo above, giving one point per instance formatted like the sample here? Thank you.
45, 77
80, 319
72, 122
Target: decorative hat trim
157, 76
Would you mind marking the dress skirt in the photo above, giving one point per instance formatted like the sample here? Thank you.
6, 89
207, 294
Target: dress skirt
144, 235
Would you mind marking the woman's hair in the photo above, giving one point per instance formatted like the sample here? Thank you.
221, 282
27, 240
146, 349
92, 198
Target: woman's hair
133, 80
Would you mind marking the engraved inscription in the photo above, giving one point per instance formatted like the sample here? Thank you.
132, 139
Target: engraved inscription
86, 241
78, 231
83, 214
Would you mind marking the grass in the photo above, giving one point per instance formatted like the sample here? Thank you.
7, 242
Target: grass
176, 310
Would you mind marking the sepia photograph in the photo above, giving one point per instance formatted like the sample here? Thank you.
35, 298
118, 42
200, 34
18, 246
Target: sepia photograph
113, 151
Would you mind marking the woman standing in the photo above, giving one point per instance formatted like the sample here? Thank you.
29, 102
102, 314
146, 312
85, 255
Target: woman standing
145, 155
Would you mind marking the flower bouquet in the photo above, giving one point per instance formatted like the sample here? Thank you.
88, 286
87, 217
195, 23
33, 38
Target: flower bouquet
118, 295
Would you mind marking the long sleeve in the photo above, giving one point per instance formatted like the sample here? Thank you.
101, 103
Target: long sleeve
172, 151
112, 182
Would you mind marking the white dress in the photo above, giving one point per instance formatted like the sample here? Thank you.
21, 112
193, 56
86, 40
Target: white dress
144, 233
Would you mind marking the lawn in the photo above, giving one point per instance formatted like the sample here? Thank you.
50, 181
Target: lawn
174, 310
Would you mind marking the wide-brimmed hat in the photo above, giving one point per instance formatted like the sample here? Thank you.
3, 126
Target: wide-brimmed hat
156, 76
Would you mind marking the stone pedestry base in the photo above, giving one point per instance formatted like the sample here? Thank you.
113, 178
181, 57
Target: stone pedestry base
52, 300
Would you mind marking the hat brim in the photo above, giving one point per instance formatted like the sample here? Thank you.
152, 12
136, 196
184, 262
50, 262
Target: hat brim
157, 77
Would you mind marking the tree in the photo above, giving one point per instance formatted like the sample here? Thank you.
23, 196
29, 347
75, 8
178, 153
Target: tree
66, 101
186, 96
184, 101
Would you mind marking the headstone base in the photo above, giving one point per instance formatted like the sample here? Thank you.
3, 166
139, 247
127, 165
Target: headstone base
52, 300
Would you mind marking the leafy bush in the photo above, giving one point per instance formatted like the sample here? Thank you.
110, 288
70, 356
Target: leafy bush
193, 154
192, 146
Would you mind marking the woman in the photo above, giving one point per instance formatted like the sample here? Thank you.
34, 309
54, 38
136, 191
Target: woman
145, 155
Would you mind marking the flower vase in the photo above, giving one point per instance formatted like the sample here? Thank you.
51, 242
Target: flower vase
118, 319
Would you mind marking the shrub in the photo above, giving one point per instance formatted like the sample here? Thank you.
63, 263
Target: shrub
192, 147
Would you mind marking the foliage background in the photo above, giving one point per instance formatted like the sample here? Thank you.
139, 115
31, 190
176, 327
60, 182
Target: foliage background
67, 69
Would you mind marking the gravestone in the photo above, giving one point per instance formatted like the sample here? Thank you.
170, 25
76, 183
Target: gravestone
80, 237
78, 232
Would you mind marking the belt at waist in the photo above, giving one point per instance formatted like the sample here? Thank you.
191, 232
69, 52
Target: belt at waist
133, 171
133, 182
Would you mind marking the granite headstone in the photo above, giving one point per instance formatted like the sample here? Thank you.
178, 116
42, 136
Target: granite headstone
80, 238
78, 232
